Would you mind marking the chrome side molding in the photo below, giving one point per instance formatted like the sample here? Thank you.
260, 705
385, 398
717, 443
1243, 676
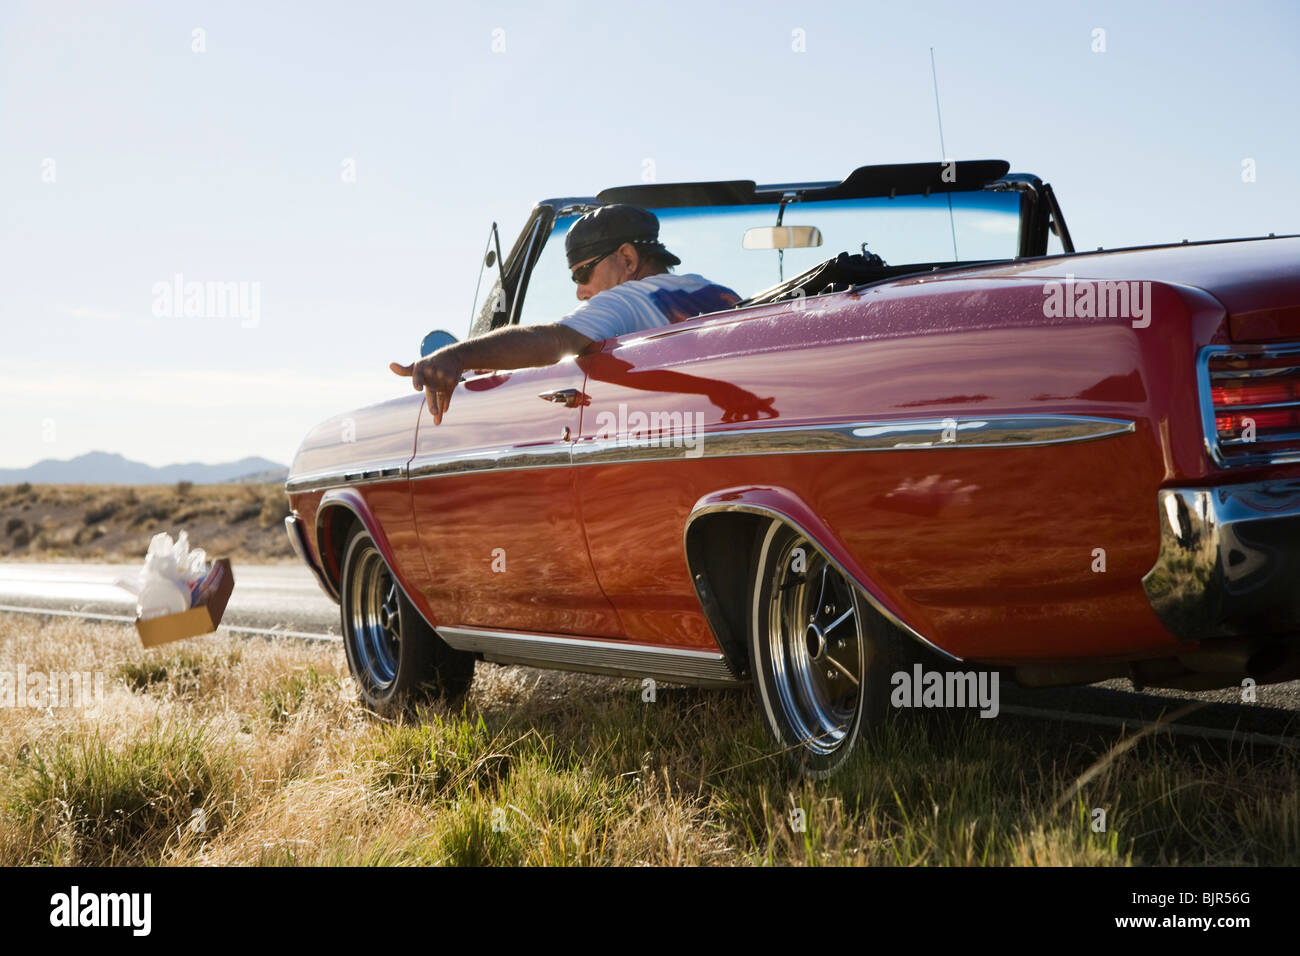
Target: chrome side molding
510, 458
674, 443
619, 658
928, 434
908, 435
363, 474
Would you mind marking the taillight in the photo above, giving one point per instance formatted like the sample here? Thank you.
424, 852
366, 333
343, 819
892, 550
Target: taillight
1253, 411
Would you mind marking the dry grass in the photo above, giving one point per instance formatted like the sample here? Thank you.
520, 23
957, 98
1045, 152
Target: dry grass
227, 751
243, 522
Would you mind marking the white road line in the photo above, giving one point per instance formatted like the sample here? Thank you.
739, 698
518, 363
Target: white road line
105, 582
86, 614
273, 632
236, 628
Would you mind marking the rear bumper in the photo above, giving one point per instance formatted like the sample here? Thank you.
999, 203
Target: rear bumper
1229, 563
297, 539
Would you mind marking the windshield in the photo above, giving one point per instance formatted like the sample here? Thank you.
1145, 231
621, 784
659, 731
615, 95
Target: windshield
909, 229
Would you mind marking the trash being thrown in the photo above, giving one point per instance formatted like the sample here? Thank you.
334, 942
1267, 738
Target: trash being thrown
170, 578
178, 594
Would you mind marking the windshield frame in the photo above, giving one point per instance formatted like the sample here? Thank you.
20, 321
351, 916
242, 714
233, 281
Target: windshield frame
1039, 216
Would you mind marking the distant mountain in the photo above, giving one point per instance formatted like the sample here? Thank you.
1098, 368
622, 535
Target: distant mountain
103, 468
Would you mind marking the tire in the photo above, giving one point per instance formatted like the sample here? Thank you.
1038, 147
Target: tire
397, 660
821, 657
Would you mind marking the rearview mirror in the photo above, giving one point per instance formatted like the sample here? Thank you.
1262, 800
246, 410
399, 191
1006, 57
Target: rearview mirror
434, 341
782, 237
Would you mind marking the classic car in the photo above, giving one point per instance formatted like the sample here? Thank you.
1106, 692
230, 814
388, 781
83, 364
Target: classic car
933, 432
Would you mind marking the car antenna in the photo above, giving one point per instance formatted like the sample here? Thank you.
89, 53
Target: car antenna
943, 153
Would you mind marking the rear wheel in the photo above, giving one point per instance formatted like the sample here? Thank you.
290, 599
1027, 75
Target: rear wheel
395, 657
822, 659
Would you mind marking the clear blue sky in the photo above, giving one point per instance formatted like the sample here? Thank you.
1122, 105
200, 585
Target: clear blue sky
226, 165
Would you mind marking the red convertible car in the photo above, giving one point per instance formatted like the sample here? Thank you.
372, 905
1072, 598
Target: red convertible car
933, 432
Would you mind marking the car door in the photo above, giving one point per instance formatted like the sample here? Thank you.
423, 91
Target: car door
653, 398
496, 509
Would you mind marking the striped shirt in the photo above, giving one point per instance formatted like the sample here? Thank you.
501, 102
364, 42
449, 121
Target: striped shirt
648, 304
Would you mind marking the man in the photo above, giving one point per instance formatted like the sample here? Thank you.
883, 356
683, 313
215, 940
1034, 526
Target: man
621, 269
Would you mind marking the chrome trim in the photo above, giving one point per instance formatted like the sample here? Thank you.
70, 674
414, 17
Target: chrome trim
993, 431
525, 274
509, 458
804, 684
1263, 372
372, 621
568, 397
1257, 406
298, 541
986, 432
1204, 379
990, 431
764, 511
575, 207
1229, 562
1272, 438
364, 474
621, 658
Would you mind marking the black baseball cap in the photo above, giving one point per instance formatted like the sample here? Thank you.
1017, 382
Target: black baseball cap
605, 229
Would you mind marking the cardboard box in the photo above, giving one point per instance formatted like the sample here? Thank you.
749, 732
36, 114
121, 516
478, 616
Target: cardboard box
200, 619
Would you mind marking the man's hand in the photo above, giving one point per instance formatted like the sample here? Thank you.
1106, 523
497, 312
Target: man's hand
510, 348
437, 374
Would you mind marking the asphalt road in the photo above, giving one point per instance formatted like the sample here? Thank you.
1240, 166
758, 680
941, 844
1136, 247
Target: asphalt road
285, 599
272, 597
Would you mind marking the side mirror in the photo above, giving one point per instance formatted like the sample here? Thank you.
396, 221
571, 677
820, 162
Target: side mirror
434, 341
782, 237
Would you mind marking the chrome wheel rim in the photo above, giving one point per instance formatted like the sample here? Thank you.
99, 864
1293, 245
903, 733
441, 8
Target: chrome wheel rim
374, 620
815, 646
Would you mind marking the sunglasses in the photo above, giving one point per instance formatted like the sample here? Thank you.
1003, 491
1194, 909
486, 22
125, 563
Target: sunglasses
582, 274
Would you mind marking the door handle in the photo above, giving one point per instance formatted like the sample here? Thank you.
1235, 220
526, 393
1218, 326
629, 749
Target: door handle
568, 397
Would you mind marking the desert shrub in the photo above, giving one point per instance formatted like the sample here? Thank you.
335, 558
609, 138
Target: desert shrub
150, 511
275, 508
101, 512
88, 534
246, 511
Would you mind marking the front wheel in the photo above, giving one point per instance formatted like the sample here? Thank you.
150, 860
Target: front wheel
822, 660
395, 657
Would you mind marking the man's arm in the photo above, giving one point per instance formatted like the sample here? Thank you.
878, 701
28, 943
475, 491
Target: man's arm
515, 347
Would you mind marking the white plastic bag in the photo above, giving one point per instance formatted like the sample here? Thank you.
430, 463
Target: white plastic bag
170, 576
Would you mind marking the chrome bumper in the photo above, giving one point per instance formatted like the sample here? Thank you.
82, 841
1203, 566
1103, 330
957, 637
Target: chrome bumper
1229, 563
297, 539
